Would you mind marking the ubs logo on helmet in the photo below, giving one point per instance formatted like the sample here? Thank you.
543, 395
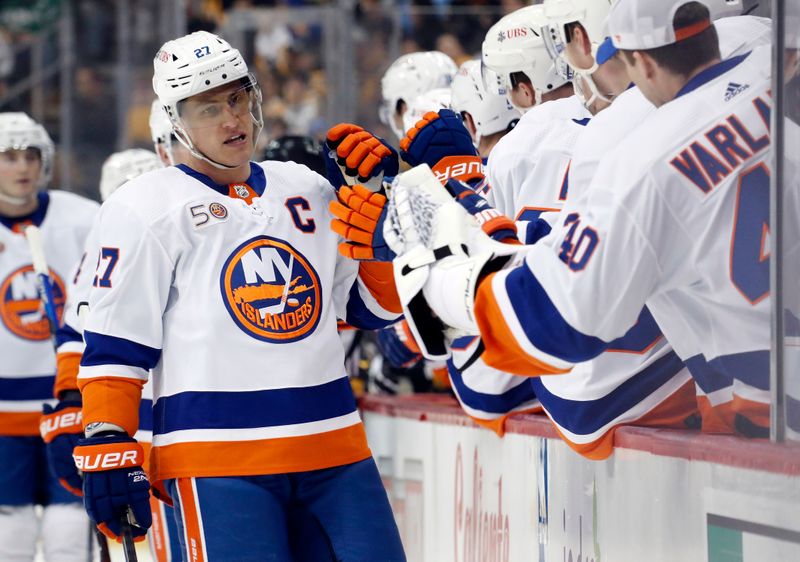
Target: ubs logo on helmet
20, 308
271, 290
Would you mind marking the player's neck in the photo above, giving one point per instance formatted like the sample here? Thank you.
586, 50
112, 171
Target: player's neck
487, 143
564, 91
11, 209
221, 176
674, 83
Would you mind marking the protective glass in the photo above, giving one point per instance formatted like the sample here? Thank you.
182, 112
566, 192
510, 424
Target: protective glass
202, 112
556, 48
493, 82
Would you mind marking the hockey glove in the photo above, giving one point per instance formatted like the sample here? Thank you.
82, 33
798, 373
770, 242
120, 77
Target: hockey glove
360, 215
61, 428
495, 224
353, 155
114, 483
398, 346
441, 141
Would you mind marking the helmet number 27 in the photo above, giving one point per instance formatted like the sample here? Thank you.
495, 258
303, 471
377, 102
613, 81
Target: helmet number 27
202, 51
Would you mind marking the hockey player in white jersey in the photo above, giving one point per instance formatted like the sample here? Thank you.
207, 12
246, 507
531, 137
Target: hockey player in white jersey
169, 150
530, 163
29, 364
628, 109
487, 116
676, 218
61, 438
221, 278
639, 380
407, 78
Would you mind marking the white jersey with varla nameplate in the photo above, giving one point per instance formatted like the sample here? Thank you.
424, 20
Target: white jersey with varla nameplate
676, 218
28, 366
234, 308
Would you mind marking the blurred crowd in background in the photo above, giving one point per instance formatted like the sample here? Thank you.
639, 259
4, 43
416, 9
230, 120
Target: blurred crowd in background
286, 53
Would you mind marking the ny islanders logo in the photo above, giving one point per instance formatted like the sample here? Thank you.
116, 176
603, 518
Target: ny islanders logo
20, 308
271, 291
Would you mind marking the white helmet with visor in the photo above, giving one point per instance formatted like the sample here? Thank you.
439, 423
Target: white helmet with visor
161, 129
490, 112
514, 44
409, 77
20, 132
124, 166
196, 63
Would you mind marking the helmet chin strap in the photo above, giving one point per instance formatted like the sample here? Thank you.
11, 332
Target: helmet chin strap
586, 75
11, 200
186, 141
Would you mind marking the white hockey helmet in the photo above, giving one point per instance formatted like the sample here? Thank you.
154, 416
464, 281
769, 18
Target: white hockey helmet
433, 100
410, 76
592, 15
515, 44
491, 113
161, 129
124, 166
196, 63
18, 132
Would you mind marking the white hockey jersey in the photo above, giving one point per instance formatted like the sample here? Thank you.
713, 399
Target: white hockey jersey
230, 295
635, 380
676, 218
69, 336
27, 371
527, 169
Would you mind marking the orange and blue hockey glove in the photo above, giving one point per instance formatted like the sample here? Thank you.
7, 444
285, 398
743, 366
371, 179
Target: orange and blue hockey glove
114, 483
494, 223
61, 428
360, 215
441, 141
353, 155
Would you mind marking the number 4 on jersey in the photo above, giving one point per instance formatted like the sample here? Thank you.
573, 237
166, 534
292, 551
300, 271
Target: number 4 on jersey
106, 262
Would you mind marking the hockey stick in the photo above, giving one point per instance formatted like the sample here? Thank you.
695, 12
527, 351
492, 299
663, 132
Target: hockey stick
128, 546
44, 286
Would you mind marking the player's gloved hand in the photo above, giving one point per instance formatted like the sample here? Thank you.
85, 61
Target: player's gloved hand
114, 483
493, 222
398, 346
61, 428
441, 141
353, 155
360, 215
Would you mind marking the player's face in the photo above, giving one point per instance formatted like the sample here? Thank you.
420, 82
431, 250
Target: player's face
19, 172
640, 73
220, 123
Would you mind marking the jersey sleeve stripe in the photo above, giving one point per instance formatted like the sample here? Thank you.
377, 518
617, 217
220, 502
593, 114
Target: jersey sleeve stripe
254, 409
540, 320
584, 417
364, 312
533, 231
67, 367
67, 334
501, 403
112, 400
503, 349
110, 350
14, 424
